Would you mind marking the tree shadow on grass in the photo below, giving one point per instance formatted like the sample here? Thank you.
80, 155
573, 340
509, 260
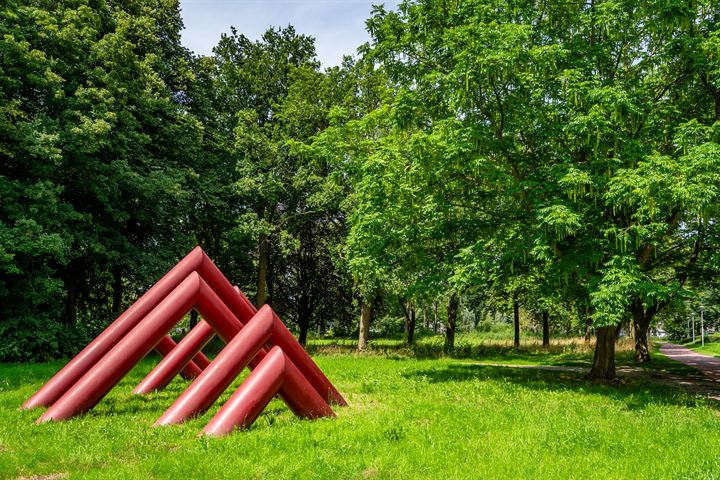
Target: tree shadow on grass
21, 374
636, 394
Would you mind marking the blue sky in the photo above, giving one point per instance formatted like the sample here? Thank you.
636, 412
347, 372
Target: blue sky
337, 25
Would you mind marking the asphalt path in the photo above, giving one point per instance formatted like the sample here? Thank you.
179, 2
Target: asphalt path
709, 366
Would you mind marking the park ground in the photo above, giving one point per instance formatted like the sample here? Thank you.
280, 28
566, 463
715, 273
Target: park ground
412, 414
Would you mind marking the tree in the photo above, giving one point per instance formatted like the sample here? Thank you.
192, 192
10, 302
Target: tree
93, 140
253, 79
554, 111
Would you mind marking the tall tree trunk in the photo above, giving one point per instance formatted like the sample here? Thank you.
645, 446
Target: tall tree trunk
320, 325
409, 312
263, 259
546, 329
603, 367
435, 318
304, 324
516, 321
411, 328
269, 284
71, 303
365, 318
426, 321
117, 291
641, 323
588, 329
193, 318
452, 310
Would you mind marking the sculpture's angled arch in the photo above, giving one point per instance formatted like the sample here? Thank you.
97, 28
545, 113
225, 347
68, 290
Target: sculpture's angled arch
194, 283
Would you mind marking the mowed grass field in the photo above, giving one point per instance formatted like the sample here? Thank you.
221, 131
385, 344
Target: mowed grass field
408, 418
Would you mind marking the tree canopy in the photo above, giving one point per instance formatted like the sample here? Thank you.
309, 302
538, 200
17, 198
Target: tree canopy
561, 158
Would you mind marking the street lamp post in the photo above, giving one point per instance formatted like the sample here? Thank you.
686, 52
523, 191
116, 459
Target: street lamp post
693, 325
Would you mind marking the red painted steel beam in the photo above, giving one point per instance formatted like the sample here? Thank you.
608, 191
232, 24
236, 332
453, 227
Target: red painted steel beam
201, 361
228, 364
89, 356
248, 304
300, 395
265, 327
274, 372
206, 289
224, 289
177, 359
94, 385
166, 345
195, 261
297, 354
251, 397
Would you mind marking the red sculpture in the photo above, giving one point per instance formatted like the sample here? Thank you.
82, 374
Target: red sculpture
274, 373
196, 283
188, 348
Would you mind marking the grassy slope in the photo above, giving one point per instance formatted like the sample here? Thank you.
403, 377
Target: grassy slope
709, 349
408, 418
712, 346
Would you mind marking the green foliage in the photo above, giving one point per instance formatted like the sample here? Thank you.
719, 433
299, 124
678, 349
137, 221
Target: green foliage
93, 172
560, 154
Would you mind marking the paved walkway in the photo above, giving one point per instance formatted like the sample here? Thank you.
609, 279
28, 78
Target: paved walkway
709, 366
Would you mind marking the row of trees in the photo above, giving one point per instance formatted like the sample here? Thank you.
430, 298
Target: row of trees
556, 158
563, 156
121, 151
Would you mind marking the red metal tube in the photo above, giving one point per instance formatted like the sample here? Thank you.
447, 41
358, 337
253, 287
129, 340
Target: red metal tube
248, 304
201, 361
177, 359
90, 355
90, 389
301, 396
274, 372
224, 289
144, 326
285, 340
94, 385
236, 355
251, 397
165, 346
196, 260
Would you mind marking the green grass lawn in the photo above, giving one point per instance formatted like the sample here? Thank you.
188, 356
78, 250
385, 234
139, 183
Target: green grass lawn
408, 418
712, 345
709, 349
